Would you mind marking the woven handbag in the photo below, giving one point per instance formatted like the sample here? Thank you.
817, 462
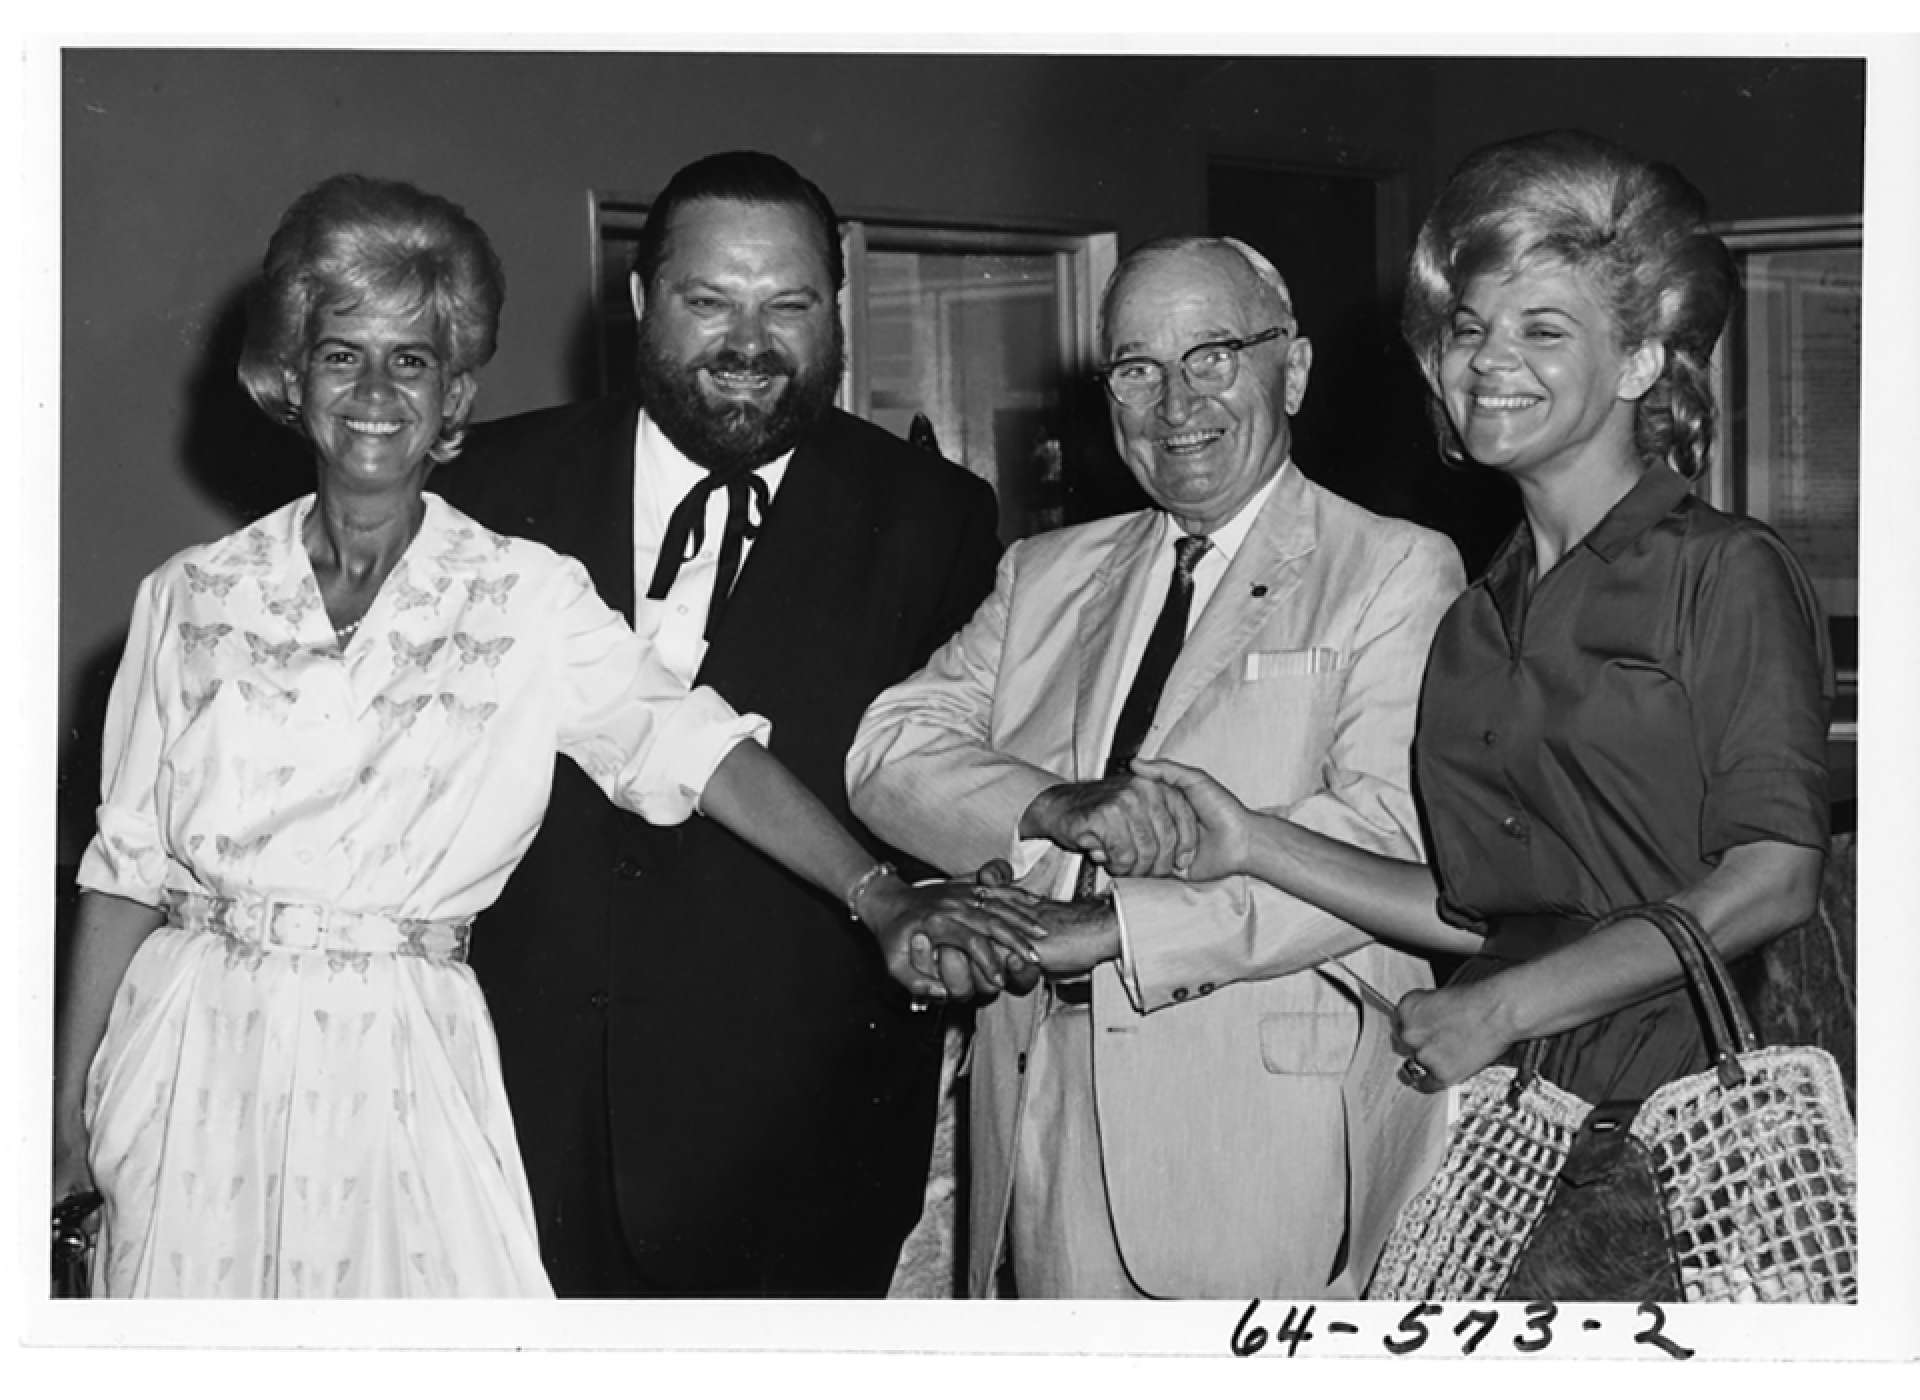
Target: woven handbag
1753, 1160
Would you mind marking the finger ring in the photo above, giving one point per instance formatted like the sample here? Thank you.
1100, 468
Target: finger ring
1412, 1073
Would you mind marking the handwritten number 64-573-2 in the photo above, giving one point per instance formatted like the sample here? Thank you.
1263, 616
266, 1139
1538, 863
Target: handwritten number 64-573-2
1474, 1328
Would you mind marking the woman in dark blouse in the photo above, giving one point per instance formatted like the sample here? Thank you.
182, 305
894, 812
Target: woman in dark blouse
1631, 705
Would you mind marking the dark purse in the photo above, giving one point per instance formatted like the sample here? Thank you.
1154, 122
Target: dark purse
73, 1245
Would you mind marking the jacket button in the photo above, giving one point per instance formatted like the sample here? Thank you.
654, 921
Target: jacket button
598, 1001
1515, 828
627, 868
1181, 994
1489, 738
1205, 988
1020, 1065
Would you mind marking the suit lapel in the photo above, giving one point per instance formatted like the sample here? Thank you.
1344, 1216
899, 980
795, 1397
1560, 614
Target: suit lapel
1115, 596
1264, 573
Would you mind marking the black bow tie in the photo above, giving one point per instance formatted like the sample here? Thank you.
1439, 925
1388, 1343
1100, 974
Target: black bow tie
687, 532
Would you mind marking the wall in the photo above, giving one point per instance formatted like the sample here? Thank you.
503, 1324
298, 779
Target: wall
175, 165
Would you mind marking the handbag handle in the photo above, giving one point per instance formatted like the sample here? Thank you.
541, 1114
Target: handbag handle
1725, 1025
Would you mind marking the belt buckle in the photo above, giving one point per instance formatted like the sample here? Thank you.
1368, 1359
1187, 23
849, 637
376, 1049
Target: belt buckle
1076, 991
300, 927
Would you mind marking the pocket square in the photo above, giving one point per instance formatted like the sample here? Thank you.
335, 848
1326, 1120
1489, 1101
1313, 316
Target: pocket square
1262, 665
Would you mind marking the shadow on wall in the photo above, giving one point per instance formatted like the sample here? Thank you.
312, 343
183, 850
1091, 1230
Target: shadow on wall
247, 464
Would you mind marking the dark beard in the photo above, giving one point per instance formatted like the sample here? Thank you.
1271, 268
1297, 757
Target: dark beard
740, 434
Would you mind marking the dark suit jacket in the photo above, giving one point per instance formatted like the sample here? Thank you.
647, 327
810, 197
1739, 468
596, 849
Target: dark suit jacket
769, 1094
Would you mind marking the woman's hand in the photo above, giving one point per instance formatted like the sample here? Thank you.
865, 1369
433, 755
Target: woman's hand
1452, 1033
71, 1174
1225, 823
953, 940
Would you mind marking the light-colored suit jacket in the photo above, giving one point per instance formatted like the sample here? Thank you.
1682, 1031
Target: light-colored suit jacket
1254, 1138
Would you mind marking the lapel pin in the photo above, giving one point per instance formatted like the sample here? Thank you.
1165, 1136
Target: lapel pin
1259, 590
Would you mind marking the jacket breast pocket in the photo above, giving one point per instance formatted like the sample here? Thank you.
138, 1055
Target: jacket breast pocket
1258, 666
1308, 1042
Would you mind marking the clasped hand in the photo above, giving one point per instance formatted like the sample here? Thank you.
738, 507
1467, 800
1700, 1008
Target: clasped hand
987, 935
1072, 937
943, 940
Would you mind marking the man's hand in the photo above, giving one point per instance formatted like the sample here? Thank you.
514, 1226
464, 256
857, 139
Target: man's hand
1080, 935
1223, 821
1130, 825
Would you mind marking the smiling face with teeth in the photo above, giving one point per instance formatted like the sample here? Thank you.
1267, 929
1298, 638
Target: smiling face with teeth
1202, 457
1533, 375
375, 394
740, 343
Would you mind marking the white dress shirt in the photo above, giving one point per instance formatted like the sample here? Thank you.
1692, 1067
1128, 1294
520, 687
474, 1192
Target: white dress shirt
662, 476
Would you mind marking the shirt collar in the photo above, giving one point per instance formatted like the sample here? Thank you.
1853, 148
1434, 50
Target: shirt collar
1651, 499
1659, 489
1230, 536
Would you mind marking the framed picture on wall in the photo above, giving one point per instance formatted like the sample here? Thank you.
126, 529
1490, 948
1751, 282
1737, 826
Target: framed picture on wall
1788, 380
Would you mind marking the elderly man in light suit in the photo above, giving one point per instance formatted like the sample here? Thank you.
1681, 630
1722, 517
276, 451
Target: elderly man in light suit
1200, 1100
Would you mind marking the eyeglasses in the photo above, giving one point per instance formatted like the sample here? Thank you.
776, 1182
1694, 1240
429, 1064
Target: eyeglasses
1138, 382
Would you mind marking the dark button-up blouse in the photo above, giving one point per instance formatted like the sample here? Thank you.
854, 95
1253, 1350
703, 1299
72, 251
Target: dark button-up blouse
1598, 737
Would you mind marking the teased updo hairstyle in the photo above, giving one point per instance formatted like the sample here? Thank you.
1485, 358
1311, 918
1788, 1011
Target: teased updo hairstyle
748, 177
353, 241
1635, 229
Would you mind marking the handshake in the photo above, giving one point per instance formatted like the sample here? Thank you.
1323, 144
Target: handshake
1162, 820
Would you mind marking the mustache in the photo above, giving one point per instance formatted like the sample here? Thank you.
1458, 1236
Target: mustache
729, 361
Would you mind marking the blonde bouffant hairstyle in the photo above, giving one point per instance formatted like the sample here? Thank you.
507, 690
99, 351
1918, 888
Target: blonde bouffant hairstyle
355, 241
1635, 229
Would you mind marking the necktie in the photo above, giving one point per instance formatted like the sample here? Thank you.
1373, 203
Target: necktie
1169, 635
687, 533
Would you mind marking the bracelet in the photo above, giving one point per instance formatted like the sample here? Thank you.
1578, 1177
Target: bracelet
859, 887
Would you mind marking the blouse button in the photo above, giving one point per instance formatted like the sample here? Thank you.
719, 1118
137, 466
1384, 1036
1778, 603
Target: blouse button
1515, 828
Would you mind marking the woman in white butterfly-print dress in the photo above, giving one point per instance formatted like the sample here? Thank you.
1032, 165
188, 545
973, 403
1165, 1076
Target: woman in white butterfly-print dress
329, 742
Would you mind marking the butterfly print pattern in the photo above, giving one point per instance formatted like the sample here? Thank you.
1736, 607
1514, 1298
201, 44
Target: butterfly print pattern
201, 581
270, 653
247, 1101
407, 597
294, 607
414, 654
261, 700
472, 649
495, 591
399, 714
467, 719
193, 638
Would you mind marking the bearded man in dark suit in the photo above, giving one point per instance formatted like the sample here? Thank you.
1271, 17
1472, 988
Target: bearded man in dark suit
717, 1089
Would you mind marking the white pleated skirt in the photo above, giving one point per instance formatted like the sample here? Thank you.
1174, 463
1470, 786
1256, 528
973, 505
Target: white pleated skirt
275, 1124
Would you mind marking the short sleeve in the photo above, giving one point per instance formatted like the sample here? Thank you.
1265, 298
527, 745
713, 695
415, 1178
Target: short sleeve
126, 857
633, 727
1760, 677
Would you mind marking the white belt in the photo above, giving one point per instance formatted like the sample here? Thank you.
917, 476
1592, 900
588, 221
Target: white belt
274, 923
